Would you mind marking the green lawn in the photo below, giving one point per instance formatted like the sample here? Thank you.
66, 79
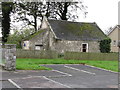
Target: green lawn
33, 64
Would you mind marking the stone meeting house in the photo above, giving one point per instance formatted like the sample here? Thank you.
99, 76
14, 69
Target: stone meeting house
62, 36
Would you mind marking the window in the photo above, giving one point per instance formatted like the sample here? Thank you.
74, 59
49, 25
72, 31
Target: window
38, 47
84, 47
114, 42
26, 44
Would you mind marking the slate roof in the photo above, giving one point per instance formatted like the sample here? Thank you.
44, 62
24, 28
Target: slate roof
67, 30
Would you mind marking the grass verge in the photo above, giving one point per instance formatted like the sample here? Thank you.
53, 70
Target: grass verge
29, 65
34, 64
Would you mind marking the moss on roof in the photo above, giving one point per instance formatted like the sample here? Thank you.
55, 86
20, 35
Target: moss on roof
76, 30
67, 30
34, 34
79, 29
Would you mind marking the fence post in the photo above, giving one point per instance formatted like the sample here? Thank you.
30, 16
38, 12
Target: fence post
10, 57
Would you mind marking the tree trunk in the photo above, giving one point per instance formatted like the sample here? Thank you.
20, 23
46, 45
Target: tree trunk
64, 14
6, 10
35, 23
47, 11
35, 18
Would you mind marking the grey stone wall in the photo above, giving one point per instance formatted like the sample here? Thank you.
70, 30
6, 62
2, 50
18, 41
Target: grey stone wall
10, 57
41, 39
62, 46
74, 46
49, 42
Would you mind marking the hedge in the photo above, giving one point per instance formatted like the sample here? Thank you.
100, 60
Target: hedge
20, 53
90, 56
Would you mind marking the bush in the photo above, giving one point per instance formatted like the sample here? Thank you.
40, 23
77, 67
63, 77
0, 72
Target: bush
60, 55
105, 45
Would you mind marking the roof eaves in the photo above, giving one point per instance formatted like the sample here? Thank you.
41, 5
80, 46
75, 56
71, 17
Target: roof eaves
33, 35
100, 29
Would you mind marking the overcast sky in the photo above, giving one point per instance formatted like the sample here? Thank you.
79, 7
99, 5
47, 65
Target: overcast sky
103, 12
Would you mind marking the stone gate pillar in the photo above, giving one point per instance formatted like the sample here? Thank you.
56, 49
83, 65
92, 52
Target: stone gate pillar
10, 57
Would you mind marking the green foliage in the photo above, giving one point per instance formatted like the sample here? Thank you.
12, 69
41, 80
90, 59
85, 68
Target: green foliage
14, 39
60, 55
105, 45
18, 36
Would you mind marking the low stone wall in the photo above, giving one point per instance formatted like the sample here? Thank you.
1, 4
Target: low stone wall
9, 57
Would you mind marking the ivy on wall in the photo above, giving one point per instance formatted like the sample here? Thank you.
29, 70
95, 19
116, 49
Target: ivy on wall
105, 45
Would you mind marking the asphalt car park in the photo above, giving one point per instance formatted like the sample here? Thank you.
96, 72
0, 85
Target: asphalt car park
62, 76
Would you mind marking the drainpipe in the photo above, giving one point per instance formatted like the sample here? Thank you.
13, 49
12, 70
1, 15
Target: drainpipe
119, 65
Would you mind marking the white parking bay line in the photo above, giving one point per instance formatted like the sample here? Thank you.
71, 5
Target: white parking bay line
14, 84
79, 70
62, 72
56, 82
101, 69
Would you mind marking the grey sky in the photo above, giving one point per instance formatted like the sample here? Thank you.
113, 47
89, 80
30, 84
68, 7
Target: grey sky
103, 12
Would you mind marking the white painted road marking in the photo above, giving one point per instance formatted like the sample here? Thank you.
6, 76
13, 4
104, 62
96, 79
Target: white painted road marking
101, 69
56, 82
62, 72
79, 70
14, 84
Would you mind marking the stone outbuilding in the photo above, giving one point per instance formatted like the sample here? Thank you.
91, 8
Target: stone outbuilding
62, 36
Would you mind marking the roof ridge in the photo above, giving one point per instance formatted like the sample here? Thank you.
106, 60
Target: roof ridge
74, 22
116, 26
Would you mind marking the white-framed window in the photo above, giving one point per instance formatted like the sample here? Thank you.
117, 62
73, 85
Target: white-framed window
114, 43
84, 47
38, 47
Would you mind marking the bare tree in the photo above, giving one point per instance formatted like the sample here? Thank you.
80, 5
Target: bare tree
29, 12
56, 10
